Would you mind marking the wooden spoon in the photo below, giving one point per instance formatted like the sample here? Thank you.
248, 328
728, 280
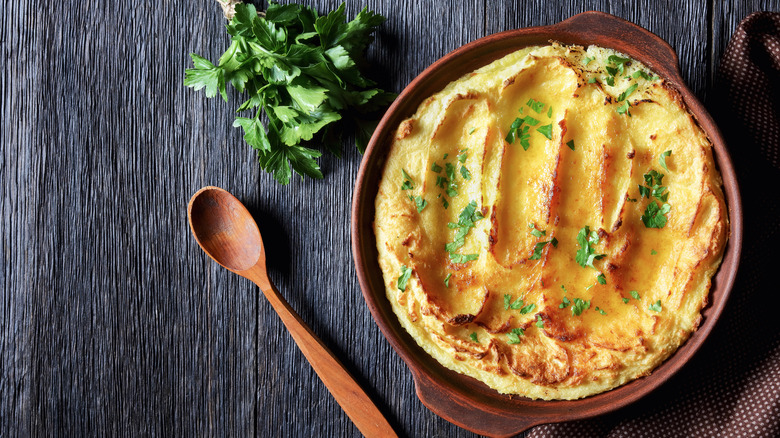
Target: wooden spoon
227, 232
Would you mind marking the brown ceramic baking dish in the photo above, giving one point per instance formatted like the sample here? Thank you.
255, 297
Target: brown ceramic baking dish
463, 400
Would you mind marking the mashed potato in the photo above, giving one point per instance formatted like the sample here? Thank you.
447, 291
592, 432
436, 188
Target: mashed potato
549, 224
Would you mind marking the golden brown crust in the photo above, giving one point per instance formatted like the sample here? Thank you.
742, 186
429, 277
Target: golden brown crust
519, 312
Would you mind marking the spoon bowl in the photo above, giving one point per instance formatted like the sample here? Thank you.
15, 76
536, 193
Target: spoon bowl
226, 231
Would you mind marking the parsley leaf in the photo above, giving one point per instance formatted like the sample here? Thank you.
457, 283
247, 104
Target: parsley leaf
546, 131
536, 106
528, 309
624, 95
463, 155
537, 233
539, 247
436, 168
601, 279
404, 278
473, 337
518, 303
625, 300
662, 159
587, 60
514, 335
656, 307
601, 311
634, 294
655, 215
466, 221
623, 109
653, 252
586, 254
570, 144
407, 183
301, 70
465, 173
539, 322
579, 306
452, 188
471, 131
463, 258
420, 203
447, 279
564, 303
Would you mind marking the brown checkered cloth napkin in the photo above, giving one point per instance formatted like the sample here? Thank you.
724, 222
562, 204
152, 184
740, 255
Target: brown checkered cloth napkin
731, 387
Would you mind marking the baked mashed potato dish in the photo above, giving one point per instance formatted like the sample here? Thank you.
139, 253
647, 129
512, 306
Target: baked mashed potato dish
549, 224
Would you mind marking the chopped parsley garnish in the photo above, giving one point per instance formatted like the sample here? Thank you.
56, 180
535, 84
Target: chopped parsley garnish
592, 80
420, 203
436, 168
634, 294
610, 80
404, 278
623, 109
539, 247
462, 157
463, 258
570, 144
514, 335
619, 61
579, 306
447, 279
452, 187
546, 131
539, 322
465, 173
662, 159
407, 184
445, 203
656, 307
601, 279
466, 220
643, 75
654, 179
587, 60
549, 111
537, 233
471, 131
564, 303
653, 252
601, 311
625, 300
528, 309
630, 199
441, 181
587, 254
518, 303
536, 106
624, 95
655, 215
473, 337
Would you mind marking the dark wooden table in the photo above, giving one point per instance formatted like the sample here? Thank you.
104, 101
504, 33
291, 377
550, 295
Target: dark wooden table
112, 321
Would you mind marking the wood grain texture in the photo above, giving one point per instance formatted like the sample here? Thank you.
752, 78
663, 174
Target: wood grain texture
112, 321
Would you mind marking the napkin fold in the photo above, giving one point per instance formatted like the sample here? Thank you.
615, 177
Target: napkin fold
731, 387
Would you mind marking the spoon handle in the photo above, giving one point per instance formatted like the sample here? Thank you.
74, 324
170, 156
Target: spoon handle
355, 402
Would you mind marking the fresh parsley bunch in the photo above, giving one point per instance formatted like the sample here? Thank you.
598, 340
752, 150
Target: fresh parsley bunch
301, 69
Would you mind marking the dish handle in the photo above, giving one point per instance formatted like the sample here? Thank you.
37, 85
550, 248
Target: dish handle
637, 42
461, 411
